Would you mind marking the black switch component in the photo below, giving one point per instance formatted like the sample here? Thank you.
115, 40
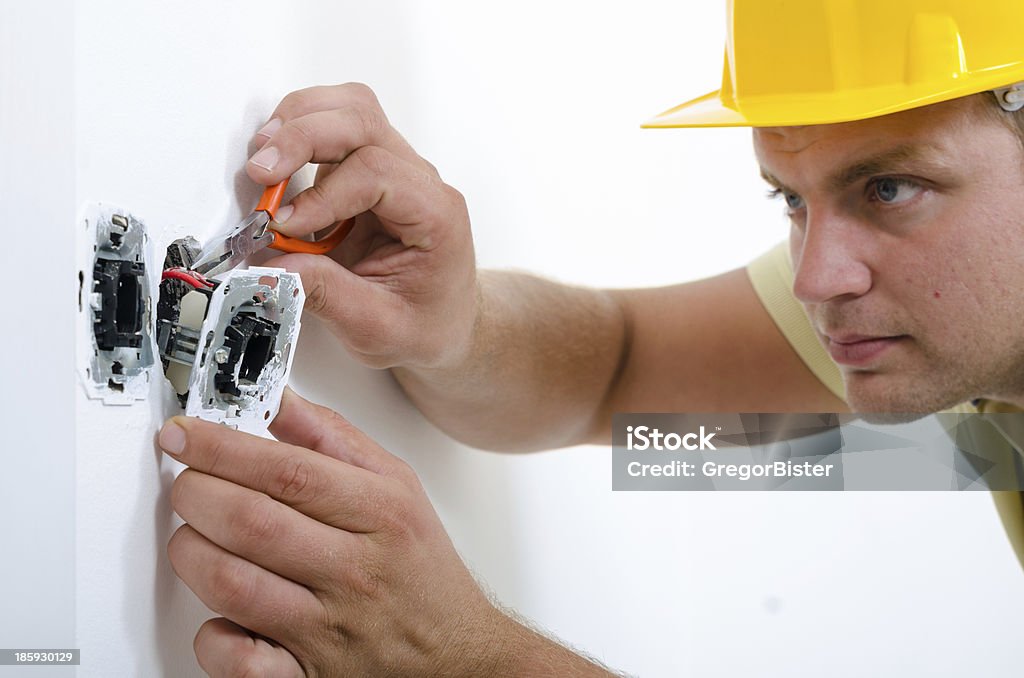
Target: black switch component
118, 323
249, 342
168, 312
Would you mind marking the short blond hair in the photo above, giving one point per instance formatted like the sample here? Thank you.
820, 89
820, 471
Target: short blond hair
988, 106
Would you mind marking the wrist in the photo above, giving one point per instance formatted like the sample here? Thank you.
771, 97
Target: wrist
464, 344
458, 341
510, 649
501, 647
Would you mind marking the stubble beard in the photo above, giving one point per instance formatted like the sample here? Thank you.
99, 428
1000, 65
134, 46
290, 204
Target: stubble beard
899, 396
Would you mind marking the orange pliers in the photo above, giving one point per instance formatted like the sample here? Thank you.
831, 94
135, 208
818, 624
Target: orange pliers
254, 233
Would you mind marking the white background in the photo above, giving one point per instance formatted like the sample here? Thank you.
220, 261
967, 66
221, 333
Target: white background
532, 110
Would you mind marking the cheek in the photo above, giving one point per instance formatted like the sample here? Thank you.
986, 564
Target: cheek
956, 304
930, 296
980, 244
978, 276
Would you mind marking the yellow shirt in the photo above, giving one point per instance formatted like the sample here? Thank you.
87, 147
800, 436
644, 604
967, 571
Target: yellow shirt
772, 277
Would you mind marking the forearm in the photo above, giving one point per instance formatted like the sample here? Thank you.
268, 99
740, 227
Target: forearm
521, 652
541, 361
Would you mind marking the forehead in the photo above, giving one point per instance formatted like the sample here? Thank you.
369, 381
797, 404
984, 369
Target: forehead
949, 129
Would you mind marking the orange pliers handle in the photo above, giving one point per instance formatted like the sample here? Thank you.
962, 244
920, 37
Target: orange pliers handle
271, 200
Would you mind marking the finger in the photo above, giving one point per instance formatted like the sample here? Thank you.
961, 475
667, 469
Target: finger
325, 97
243, 592
224, 648
353, 108
368, 317
321, 137
263, 134
322, 170
261, 530
306, 424
352, 94
365, 242
328, 490
412, 206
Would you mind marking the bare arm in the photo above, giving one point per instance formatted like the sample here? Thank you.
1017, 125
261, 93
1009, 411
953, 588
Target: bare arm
499, 360
708, 346
549, 364
503, 360
541, 358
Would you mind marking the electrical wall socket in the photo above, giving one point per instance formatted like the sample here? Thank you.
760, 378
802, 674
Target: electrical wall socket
226, 346
115, 342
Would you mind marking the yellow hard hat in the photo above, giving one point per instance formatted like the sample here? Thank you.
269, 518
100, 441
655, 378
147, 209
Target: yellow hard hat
809, 62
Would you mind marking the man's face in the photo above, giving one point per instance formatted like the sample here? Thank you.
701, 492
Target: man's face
907, 241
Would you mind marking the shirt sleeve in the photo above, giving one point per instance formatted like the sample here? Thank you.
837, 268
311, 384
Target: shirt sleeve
772, 277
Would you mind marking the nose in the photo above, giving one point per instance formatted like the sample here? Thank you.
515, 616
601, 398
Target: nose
827, 260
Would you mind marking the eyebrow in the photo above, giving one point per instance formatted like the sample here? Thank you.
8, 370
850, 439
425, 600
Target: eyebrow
870, 166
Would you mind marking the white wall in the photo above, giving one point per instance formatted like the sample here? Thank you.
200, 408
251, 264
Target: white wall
532, 110
37, 433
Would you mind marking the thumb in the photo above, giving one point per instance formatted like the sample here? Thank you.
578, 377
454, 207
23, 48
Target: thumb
364, 315
321, 429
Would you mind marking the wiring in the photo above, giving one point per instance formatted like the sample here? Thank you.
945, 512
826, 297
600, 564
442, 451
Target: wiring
191, 277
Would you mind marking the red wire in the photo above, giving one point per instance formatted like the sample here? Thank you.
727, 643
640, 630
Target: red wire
191, 277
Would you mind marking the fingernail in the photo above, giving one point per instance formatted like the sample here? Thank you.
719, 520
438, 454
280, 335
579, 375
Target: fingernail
172, 438
283, 213
266, 158
269, 129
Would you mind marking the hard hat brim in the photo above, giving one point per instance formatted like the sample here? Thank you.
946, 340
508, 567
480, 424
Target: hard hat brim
711, 110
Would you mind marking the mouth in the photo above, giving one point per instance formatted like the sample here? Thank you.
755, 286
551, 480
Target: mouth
858, 350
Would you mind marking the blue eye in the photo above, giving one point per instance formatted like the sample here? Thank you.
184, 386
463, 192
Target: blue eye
793, 201
893, 190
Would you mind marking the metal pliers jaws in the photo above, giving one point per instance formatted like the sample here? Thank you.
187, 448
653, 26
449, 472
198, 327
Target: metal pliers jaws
228, 251
253, 234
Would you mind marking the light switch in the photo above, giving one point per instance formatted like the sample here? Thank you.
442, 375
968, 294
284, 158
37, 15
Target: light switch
115, 305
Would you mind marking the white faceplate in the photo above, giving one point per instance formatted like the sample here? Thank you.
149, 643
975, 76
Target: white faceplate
282, 300
121, 375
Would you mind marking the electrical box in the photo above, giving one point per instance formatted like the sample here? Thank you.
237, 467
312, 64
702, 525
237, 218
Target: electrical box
115, 305
225, 344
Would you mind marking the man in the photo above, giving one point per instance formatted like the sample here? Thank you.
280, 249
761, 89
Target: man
885, 127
